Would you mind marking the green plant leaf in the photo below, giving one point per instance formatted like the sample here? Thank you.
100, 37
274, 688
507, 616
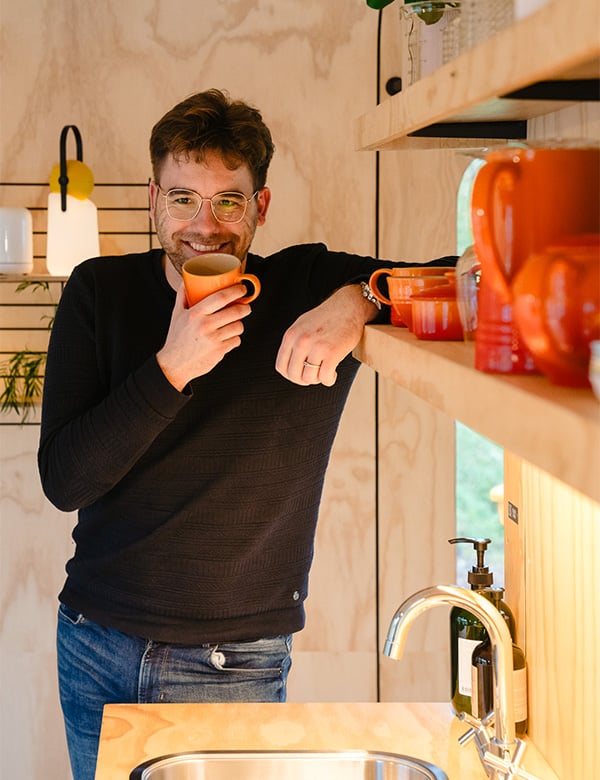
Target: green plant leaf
22, 374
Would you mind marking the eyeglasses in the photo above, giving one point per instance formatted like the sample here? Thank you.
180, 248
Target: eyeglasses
226, 206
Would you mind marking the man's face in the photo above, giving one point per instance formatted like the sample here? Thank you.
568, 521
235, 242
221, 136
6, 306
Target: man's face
183, 240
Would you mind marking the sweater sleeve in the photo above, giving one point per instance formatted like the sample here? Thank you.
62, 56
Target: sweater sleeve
92, 433
329, 270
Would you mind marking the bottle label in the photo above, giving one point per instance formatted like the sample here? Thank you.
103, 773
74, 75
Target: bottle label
465, 653
520, 694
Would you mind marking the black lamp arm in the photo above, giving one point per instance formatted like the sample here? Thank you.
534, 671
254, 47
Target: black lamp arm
63, 179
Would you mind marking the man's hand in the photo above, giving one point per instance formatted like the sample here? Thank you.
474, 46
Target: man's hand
199, 337
321, 338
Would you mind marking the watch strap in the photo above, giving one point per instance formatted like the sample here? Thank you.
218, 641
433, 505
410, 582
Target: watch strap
368, 293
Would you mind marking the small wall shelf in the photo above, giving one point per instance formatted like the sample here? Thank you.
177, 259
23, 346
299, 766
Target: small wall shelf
557, 43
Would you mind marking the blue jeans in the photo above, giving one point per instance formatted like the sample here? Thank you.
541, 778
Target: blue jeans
98, 666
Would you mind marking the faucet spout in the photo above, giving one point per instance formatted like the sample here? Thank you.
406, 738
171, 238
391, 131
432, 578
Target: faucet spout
501, 641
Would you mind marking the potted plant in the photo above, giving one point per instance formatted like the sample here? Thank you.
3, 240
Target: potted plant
23, 374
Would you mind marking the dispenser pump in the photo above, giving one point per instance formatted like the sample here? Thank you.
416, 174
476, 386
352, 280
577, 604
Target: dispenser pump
479, 576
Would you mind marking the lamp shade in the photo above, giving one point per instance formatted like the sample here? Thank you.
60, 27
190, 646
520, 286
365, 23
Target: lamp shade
72, 218
72, 234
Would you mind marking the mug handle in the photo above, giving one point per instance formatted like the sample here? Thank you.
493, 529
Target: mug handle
373, 279
493, 197
255, 283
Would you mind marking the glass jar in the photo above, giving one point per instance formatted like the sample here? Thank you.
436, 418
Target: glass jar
430, 37
594, 368
468, 274
483, 18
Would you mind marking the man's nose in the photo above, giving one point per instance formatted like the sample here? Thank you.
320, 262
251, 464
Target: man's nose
205, 216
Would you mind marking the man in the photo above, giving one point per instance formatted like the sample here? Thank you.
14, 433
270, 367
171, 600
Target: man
193, 441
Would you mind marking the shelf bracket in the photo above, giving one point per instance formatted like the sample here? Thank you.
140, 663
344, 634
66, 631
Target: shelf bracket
500, 129
572, 90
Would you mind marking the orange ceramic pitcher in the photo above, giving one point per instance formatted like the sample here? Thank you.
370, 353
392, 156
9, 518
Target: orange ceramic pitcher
523, 201
556, 304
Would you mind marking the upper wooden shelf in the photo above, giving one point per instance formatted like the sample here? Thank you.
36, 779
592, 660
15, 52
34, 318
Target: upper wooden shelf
559, 42
555, 428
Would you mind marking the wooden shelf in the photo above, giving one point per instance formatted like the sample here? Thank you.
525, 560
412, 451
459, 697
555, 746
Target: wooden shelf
555, 428
556, 43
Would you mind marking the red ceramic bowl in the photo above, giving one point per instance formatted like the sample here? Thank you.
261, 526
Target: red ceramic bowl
435, 314
402, 288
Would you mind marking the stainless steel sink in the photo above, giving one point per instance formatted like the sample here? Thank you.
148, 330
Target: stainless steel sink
287, 765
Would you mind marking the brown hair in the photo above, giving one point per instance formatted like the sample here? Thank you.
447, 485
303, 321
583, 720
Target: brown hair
211, 122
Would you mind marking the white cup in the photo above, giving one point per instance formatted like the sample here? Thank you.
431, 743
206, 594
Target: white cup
16, 241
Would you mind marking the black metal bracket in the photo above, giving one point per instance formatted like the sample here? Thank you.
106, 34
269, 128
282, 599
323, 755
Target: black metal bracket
570, 90
508, 129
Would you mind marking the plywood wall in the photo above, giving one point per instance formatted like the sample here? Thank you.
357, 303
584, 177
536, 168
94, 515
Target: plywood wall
554, 577
112, 69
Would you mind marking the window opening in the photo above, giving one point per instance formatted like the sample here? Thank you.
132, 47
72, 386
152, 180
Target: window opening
479, 461
479, 479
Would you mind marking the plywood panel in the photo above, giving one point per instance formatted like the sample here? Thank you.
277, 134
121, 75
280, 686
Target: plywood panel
335, 657
416, 519
514, 544
113, 69
34, 545
561, 582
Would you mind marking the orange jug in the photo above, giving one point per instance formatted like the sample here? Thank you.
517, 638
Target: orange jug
556, 305
524, 200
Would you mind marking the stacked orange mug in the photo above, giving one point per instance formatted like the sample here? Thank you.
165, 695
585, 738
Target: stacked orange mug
403, 283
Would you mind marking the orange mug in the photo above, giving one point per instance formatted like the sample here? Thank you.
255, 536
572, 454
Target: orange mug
523, 201
208, 273
401, 283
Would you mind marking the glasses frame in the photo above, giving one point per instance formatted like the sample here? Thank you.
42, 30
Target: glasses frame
210, 200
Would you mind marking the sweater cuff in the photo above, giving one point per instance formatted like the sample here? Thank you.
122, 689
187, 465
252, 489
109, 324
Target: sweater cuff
157, 391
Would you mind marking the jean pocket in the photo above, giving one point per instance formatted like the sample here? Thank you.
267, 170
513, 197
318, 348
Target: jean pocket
70, 616
262, 656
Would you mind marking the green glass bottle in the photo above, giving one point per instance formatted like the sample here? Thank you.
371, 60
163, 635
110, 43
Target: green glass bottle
467, 631
482, 678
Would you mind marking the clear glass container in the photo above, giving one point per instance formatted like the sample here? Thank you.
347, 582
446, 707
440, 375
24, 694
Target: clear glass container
468, 274
430, 37
483, 18
594, 370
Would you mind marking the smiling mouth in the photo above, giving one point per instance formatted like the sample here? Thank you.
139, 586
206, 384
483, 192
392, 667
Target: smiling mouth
200, 248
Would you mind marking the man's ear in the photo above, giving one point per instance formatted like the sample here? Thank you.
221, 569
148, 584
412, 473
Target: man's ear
152, 193
263, 199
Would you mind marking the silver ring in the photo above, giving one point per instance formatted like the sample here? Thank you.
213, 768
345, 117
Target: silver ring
311, 365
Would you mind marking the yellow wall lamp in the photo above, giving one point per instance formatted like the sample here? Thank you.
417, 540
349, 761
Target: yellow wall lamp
72, 234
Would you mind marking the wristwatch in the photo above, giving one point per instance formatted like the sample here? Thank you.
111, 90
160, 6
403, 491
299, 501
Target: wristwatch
368, 294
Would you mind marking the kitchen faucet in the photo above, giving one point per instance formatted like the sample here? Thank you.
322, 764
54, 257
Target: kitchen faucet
501, 753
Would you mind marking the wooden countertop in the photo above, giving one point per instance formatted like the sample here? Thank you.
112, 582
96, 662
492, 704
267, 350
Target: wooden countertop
132, 733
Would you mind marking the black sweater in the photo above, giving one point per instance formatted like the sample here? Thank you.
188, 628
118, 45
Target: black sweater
196, 510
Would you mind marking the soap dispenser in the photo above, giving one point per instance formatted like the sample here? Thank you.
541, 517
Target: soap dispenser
467, 631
